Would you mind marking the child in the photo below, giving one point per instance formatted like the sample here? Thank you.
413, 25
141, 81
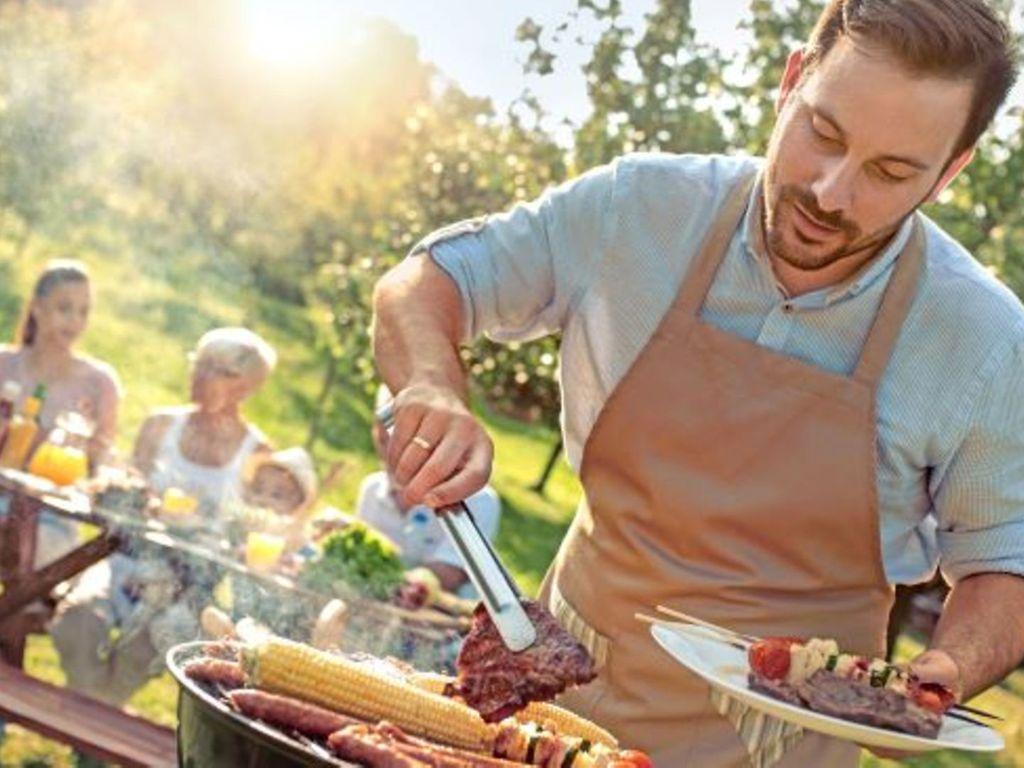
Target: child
284, 485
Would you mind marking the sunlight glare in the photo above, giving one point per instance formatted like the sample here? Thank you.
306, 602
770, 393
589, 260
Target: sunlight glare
296, 34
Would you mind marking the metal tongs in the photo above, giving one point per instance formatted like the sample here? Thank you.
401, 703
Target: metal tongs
500, 595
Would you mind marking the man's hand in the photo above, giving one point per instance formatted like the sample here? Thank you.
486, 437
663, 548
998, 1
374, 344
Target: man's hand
935, 666
932, 666
438, 453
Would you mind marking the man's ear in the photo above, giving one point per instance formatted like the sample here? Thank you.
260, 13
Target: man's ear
790, 78
952, 170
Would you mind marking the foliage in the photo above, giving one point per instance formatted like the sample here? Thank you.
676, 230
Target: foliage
648, 93
355, 559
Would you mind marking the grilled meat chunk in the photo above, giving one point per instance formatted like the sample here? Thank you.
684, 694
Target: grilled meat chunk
842, 697
833, 695
498, 683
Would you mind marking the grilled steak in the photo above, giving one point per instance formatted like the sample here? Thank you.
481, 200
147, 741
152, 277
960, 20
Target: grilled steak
851, 700
775, 688
498, 683
837, 696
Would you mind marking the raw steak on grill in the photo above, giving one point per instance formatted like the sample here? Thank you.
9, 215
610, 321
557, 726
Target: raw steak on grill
497, 682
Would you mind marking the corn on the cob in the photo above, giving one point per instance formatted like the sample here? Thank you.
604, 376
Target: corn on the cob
335, 682
551, 716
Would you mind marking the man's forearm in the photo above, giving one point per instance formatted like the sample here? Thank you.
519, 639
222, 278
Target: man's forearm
982, 629
417, 323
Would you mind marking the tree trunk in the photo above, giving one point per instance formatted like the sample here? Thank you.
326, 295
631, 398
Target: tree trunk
330, 378
542, 481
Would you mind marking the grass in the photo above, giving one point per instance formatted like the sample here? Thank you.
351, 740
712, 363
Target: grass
150, 309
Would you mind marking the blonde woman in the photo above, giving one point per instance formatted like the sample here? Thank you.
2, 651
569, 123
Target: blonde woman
203, 448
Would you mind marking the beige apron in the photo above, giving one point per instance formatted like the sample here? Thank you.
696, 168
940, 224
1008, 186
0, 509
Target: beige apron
737, 484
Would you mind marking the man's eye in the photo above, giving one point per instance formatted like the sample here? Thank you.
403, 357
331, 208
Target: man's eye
888, 176
824, 138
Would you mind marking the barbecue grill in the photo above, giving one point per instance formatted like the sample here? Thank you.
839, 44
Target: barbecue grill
211, 733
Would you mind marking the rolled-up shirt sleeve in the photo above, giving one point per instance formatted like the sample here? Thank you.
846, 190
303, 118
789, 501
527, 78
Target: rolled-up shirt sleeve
520, 273
979, 500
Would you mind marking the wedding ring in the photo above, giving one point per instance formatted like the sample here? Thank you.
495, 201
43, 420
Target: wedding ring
424, 444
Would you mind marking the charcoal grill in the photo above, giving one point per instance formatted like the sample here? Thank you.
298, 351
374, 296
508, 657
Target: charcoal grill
211, 734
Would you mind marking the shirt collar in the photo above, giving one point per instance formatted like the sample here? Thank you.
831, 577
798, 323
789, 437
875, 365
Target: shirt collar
752, 237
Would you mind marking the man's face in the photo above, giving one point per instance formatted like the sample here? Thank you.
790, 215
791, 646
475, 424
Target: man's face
860, 142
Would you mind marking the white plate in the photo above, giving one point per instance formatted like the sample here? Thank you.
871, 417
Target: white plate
725, 668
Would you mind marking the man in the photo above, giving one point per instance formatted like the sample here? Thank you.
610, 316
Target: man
784, 388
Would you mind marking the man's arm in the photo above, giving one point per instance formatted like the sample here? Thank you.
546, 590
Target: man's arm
498, 276
980, 636
416, 330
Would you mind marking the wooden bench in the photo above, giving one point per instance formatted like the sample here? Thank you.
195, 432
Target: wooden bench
88, 725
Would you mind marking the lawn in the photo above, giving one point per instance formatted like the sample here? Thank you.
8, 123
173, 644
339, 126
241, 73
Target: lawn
150, 310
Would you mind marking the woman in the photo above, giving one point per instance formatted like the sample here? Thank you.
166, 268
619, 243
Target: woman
44, 353
201, 449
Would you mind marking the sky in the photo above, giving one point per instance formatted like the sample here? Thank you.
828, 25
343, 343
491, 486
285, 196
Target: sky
473, 41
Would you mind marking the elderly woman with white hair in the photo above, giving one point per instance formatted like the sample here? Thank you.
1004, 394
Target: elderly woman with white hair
203, 450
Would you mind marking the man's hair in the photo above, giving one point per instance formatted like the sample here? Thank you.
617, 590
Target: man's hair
955, 39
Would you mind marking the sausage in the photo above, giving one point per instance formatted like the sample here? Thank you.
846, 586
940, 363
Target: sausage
286, 712
215, 672
437, 754
360, 746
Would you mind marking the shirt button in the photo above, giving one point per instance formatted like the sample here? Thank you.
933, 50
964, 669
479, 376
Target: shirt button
787, 307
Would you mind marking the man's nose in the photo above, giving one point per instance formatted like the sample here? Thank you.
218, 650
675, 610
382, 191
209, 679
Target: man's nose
833, 189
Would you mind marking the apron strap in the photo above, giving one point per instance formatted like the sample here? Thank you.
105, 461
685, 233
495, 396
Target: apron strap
899, 295
713, 248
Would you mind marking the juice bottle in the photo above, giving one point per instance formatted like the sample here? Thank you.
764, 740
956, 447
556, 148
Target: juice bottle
22, 431
9, 394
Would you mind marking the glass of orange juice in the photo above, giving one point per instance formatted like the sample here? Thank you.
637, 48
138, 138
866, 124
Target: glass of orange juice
68, 464
176, 502
263, 550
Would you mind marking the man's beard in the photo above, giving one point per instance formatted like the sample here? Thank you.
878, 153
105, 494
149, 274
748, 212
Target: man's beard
803, 258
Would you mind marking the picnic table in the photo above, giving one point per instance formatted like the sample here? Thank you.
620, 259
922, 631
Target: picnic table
89, 726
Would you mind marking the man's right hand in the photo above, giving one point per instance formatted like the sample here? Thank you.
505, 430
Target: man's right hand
438, 453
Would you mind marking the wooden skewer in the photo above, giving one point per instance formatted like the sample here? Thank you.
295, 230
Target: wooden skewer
735, 642
746, 640
707, 624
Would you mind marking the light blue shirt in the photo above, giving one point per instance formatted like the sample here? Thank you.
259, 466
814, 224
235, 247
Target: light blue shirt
601, 258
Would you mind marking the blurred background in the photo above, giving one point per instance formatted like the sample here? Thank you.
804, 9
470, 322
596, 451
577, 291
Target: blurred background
262, 162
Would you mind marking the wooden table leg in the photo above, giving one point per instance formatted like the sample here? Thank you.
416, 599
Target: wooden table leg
27, 590
17, 553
